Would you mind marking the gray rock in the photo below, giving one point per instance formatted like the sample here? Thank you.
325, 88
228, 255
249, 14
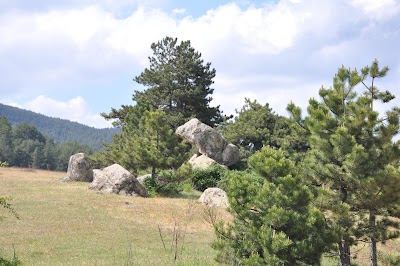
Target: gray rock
203, 162
214, 197
208, 142
118, 180
79, 169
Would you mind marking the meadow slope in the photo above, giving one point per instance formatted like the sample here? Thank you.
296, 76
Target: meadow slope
67, 224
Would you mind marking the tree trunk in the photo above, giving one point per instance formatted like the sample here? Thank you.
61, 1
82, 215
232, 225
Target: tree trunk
372, 241
344, 253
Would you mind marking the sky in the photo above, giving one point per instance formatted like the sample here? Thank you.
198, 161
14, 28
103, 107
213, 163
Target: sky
75, 59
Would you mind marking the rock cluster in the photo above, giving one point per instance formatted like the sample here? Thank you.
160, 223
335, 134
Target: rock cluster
208, 142
112, 179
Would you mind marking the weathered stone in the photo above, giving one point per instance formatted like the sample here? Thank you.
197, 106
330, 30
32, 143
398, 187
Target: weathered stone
231, 154
99, 181
118, 180
79, 169
214, 197
203, 162
209, 142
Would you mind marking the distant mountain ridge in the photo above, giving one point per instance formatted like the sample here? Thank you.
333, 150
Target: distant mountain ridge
61, 130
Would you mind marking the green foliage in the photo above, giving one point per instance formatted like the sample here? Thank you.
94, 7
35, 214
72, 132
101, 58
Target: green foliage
205, 178
353, 157
275, 222
149, 144
4, 202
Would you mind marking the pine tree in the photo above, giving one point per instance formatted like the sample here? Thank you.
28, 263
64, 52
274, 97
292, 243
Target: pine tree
178, 82
152, 145
353, 157
6, 144
274, 222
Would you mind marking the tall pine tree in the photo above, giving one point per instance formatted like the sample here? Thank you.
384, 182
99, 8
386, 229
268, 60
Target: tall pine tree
177, 82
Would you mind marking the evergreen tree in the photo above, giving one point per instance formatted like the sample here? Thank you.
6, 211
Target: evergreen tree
254, 124
6, 143
153, 145
274, 222
50, 155
178, 82
353, 157
26, 139
38, 158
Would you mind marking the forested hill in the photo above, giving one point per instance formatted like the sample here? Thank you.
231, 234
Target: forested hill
61, 130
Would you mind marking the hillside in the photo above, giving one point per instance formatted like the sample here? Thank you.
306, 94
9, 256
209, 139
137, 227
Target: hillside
61, 130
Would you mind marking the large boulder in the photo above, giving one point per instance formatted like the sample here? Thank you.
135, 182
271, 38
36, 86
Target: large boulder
214, 197
79, 169
208, 142
118, 180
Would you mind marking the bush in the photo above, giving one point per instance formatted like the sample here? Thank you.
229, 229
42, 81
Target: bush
205, 178
168, 182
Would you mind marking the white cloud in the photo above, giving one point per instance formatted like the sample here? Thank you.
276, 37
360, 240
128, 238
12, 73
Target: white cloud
378, 10
75, 109
179, 11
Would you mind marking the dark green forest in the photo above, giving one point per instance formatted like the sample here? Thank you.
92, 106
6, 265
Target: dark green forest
60, 130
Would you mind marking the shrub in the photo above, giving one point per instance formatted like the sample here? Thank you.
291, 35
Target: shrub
205, 178
168, 182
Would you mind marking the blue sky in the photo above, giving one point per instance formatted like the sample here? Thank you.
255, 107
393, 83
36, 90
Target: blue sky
77, 58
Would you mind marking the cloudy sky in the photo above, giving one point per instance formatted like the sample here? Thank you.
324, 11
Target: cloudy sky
74, 59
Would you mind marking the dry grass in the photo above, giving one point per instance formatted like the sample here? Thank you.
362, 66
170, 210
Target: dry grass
67, 224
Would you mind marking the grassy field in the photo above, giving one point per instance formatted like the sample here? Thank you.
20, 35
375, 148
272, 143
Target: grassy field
67, 224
